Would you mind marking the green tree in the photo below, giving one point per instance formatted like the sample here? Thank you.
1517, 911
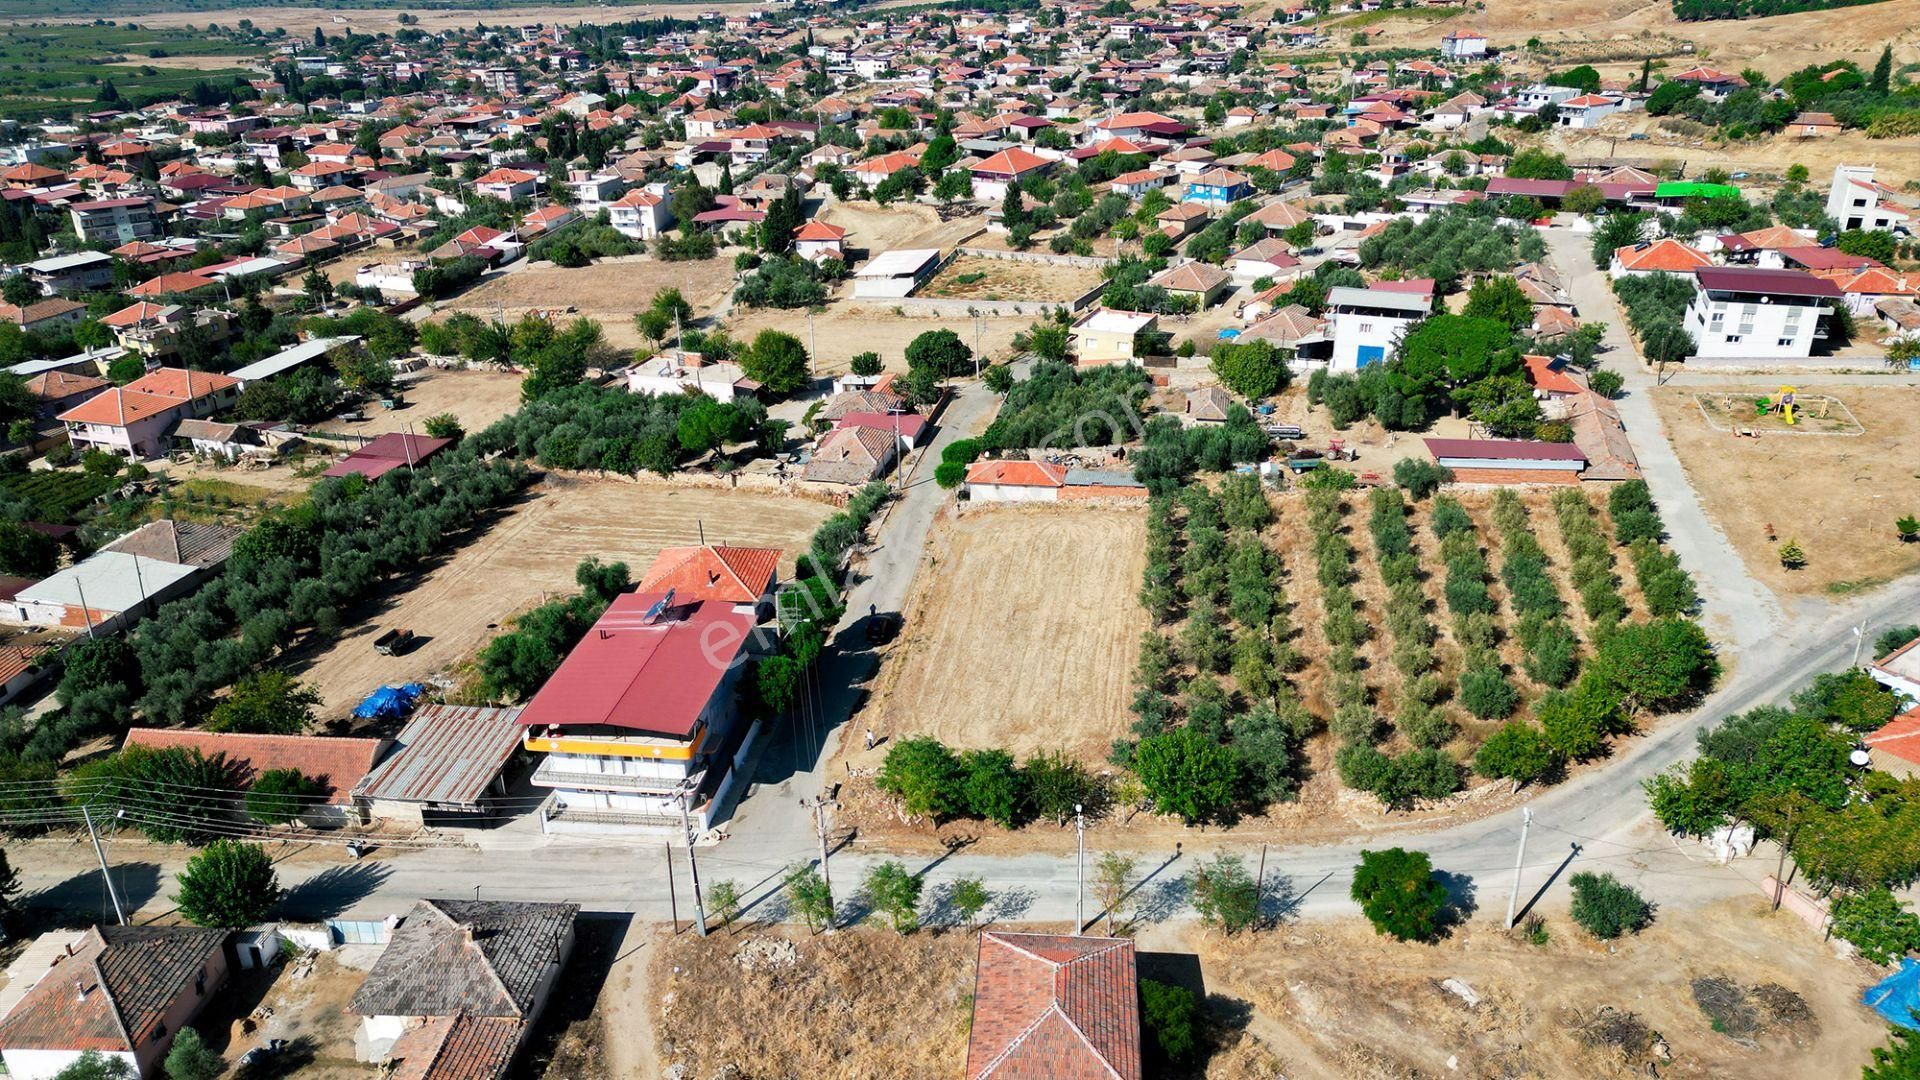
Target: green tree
1881, 82
1224, 894
1188, 774
1877, 923
1170, 1016
941, 352
866, 364
810, 897
1606, 908
1255, 370
723, 899
282, 795
444, 426
1112, 881
1500, 299
1420, 477
1898, 1060
265, 703
992, 786
1658, 666
190, 1058
229, 885
1695, 798
9, 888
25, 552
1397, 891
968, 898
894, 891
93, 1065
925, 776
778, 361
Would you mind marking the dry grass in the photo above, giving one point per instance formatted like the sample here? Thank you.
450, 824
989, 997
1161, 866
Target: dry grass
1838, 496
845, 329
610, 291
875, 228
973, 278
476, 398
856, 1003
1021, 635
529, 555
1345, 1002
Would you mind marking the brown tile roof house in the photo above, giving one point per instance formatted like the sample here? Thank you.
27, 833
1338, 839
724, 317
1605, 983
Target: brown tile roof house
338, 762
188, 543
1197, 278
467, 979
120, 990
1052, 1007
851, 455
737, 575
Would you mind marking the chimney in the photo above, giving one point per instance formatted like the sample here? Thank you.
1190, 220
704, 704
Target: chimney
79, 990
466, 933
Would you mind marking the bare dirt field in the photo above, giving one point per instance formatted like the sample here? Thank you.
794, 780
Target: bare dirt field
877, 228
1577, 30
1837, 495
610, 291
846, 329
1335, 1000
861, 1003
529, 555
1023, 634
313, 1013
972, 278
476, 398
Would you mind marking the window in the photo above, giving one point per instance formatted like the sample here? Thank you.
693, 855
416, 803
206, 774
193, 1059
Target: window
1784, 342
159, 1032
1732, 338
1366, 328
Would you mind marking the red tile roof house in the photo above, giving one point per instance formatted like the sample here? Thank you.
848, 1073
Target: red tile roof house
137, 419
644, 706
1052, 1007
338, 763
122, 992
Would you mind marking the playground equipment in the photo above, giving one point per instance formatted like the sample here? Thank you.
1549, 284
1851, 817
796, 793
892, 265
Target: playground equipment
1783, 404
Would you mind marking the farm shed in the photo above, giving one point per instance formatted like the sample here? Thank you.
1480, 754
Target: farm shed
289, 358
445, 768
894, 274
104, 593
386, 453
1509, 461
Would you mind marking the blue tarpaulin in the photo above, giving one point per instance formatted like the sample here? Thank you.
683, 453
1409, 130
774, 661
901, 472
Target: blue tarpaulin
389, 702
1897, 997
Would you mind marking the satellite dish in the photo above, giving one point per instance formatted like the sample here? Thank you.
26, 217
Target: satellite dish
1860, 758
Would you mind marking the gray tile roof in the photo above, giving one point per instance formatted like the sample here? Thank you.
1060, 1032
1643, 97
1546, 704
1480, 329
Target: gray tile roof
477, 958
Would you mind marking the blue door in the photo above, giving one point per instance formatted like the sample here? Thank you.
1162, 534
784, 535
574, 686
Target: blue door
1369, 354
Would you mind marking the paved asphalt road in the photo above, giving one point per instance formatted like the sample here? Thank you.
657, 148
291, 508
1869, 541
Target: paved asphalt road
1770, 652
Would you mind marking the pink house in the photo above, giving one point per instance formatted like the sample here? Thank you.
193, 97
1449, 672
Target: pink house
136, 420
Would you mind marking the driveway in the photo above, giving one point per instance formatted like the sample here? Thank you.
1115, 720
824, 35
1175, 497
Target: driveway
1737, 609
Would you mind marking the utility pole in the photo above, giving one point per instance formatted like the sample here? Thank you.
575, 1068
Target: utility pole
1513, 900
673, 898
813, 349
1859, 637
820, 804
85, 612
693, 867
976, 347
1260, 884
112, 893
1080, 877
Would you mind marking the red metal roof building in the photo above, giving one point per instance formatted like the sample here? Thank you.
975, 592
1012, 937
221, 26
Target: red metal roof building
1509, 461
1053, 1007
386, 453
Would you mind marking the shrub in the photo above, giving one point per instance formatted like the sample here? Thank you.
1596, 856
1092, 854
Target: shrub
1606, 908
925, 776
991, 787
282, 795
1169, 1015
1517, 751
1224, 894
1055, 784
1877, 924
1398, 893
1188, 774
1420, 477
1487, 694
894, 891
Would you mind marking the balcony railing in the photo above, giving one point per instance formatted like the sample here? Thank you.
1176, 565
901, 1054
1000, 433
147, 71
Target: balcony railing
611, 817
545, 776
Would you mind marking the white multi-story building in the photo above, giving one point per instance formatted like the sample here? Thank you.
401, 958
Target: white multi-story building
1858, 201
1745, 312
1368, 324
1463, 45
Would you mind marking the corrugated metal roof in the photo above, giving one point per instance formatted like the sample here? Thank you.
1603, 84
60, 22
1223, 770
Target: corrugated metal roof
446, 755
